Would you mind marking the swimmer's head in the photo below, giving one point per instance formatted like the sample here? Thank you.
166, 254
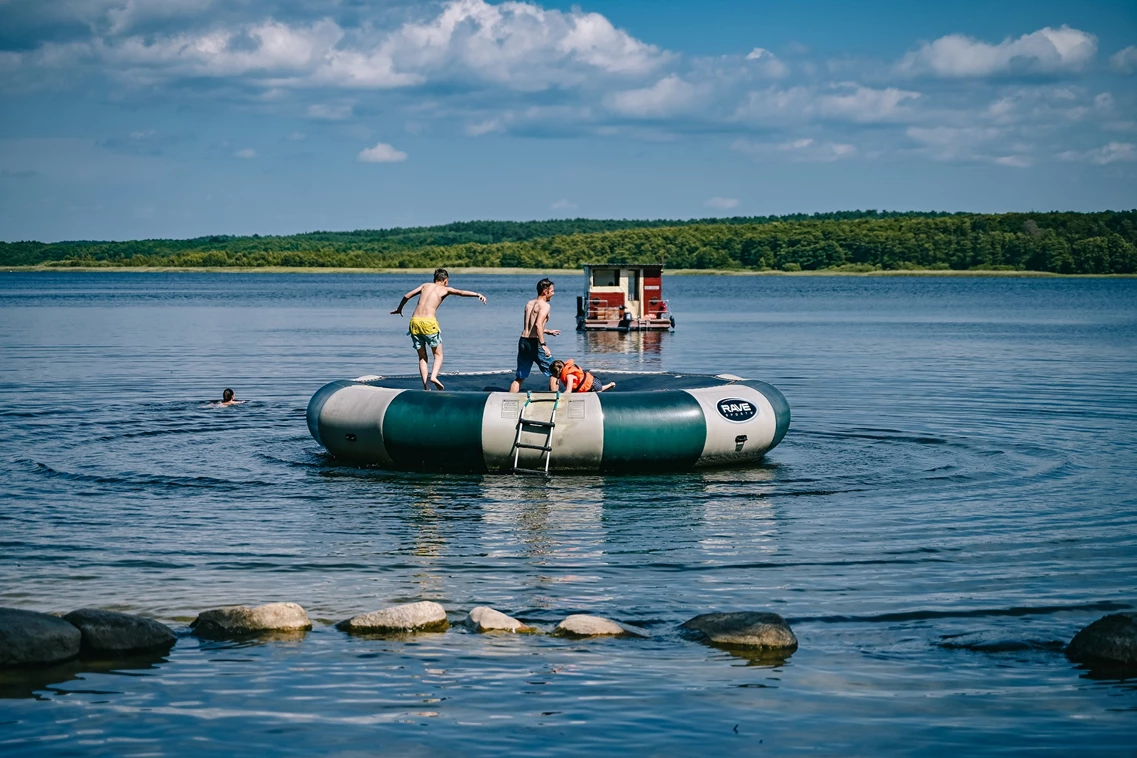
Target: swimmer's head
226, 395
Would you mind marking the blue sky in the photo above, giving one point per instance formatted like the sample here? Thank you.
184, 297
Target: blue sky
129, 119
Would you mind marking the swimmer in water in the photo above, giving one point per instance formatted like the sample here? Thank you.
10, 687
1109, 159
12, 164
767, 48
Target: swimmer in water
227, 398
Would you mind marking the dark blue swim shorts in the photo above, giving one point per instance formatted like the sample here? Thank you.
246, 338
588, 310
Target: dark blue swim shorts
529, 352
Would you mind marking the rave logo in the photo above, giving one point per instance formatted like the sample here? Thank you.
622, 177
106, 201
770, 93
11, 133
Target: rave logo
733, 409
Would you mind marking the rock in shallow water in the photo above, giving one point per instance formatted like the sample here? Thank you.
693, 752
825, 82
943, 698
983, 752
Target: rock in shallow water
424, 616
583, 625
30, 638
237, 620
485, 619
1110, 638
111, 632
767, 631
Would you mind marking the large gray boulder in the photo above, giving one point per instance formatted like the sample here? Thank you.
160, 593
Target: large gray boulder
111, 632
424, 616
485, 619
583, 625
1112, 638
30, 638
241, 620
765, 631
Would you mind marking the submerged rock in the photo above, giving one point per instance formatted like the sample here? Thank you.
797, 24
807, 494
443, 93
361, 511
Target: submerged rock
485, 619
30, 638
238, 620
423, 616
766, 631
1112, 638
111, 632
583, 625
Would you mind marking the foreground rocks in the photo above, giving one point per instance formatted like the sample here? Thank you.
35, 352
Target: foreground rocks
485, 619
240, 620
762, 631
409, 617
583, 625
28, 638
117, 633
1111, 639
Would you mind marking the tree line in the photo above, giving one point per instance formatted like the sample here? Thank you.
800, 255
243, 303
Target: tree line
1060, 242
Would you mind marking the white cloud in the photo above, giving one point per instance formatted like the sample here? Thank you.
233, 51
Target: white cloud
515, 44
563, 205
666, 97
1103, 156
767, 64
971, 144
297, 137
801, 150
721, 203
484, 127
1125, 60
382, 153
329, 112
864, 104
1047, 50
245, 153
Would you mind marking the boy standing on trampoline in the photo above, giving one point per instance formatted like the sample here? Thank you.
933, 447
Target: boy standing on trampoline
531, 348
424, 330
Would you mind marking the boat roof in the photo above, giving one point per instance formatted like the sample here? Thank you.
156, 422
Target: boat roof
626, 266
498, 381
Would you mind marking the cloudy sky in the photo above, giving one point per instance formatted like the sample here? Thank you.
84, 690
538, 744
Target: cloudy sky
177, 118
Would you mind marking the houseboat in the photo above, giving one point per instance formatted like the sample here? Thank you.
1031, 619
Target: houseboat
620, 297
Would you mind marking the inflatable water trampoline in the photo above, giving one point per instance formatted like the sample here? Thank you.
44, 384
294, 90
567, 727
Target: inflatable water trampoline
648, 422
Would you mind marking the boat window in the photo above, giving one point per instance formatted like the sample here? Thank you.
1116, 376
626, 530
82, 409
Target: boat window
605, 277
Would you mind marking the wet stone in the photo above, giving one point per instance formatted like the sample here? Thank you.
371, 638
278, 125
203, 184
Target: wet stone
1112, 638
423, 616
238, 620
767, 631
583, 625
28, 638
111, 632
485, 619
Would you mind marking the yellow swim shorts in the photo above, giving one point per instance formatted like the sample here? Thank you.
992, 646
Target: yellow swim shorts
424, 327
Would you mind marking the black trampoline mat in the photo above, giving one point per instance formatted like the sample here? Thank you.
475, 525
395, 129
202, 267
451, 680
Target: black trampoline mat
498, 381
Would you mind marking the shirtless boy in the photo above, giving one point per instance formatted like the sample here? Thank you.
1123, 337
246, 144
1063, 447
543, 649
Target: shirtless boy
531, 348
424, 329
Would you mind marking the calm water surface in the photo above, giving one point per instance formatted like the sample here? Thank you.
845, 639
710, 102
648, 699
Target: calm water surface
954, 500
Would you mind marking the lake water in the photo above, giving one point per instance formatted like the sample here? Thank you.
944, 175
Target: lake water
954, 500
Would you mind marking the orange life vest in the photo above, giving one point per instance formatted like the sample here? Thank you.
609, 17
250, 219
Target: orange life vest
582, 380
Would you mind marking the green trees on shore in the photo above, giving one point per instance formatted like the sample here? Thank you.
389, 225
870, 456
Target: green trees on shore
1068, 243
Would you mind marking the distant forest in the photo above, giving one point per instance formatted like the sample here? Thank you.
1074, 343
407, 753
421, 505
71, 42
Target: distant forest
1065, 243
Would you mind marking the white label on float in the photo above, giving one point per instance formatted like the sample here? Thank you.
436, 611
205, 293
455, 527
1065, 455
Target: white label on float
509, 408
736, 409
576, 409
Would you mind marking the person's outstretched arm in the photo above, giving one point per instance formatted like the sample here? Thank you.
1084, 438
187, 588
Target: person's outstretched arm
406, 297
465, 293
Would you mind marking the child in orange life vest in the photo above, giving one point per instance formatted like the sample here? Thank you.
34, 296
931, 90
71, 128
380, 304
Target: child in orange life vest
576, 379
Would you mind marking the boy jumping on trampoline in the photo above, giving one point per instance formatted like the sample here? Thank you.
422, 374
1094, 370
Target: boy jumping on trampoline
424, 329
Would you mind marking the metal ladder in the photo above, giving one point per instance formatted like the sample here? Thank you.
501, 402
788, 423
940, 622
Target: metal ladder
547, 446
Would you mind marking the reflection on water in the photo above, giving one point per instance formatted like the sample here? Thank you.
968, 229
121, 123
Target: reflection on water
644, 349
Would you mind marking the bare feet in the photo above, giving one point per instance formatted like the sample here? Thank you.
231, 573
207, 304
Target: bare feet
607, 386
436, 383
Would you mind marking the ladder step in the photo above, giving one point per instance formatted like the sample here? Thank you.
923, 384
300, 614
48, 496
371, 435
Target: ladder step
544, 424
519, 470
535, 447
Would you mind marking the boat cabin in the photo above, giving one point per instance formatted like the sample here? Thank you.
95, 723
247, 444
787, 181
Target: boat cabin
622, 297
